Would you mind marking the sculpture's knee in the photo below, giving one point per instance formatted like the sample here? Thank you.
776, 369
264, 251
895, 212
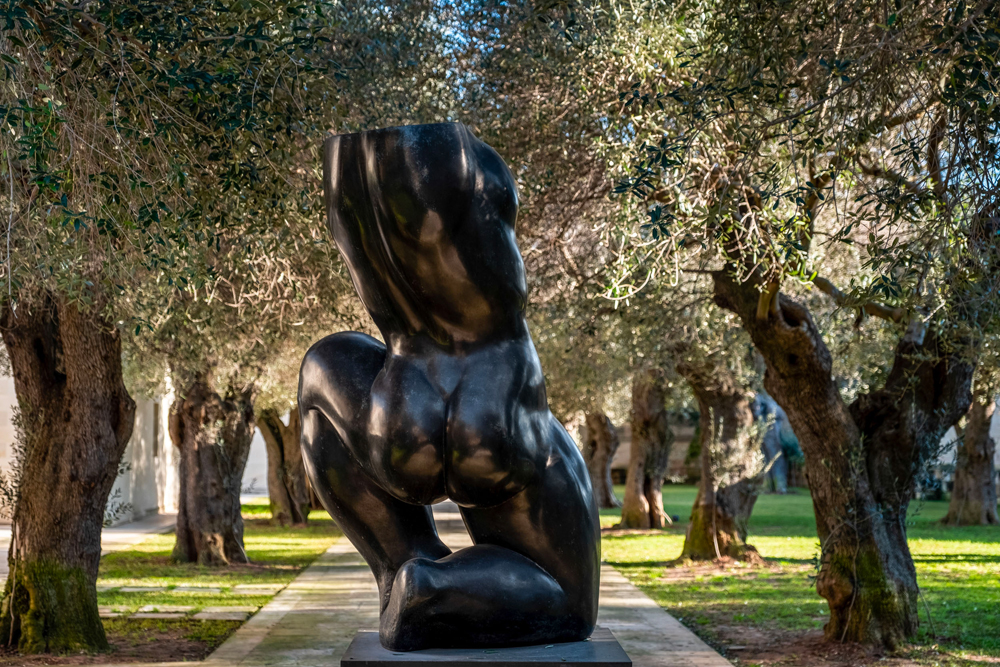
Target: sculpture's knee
412, 589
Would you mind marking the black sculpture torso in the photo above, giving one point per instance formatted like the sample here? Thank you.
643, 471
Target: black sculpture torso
452, 406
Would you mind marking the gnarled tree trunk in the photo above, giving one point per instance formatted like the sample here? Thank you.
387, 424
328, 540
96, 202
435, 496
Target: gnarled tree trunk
599, 446
75, 420
213, 435
650, 453
861, 461
729, 467
286, 474
974, 496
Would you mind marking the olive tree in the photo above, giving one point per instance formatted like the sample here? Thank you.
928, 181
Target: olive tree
139, 138
786, 136
973, 499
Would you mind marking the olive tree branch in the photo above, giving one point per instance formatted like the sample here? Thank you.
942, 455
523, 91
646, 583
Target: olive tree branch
872, 308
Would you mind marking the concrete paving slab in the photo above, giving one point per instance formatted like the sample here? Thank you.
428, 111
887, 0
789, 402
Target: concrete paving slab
182, 608
246, 609
142, 589
256, 589
213, 590
111, 612
221, 616
159, 615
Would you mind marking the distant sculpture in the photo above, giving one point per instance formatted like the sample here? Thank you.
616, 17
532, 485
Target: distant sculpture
452, 406
779, 443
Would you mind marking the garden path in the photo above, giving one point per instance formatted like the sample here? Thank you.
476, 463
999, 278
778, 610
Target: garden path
112, 539
311, 622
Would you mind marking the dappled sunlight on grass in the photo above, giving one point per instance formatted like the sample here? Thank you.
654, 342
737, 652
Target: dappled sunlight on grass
276, 556
958, 570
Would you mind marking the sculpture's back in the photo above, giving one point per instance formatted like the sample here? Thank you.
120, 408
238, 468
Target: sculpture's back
453, 407
424, 217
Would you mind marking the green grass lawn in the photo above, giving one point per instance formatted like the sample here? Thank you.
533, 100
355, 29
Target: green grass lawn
277, 555
958, 570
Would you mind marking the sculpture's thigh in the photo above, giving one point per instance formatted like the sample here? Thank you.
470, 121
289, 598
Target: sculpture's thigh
553, 522
333, 387
497, 441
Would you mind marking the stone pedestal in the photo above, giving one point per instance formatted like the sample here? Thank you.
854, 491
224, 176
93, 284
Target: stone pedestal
601, 650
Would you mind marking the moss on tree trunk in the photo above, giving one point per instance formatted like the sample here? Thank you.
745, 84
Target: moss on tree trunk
75, 420
650, 454
599, 446
213, 435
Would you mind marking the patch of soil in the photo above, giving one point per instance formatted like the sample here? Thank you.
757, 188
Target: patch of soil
140, 641
748, 645
685, 569
743, 645
620, 532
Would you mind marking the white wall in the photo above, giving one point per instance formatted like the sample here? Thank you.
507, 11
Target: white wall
255, 474
150, 485
168, 485
949, 455
7, 402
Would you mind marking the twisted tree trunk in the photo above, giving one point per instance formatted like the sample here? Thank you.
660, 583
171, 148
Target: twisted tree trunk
599, 447
861, 461
286, 474
729, 482
76, 418
650, 454
974, 496
213, 435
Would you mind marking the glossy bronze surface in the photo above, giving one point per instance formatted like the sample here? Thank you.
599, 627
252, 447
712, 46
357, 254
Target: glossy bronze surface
452, 406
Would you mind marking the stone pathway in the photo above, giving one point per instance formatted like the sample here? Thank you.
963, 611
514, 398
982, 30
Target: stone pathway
311, 622
112, 539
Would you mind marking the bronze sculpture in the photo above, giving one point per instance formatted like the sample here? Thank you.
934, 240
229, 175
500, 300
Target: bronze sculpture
452, 406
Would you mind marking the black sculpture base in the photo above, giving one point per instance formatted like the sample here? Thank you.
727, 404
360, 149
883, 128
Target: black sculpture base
601, 650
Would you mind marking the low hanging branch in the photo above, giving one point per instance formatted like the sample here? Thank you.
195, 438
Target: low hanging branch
870, 307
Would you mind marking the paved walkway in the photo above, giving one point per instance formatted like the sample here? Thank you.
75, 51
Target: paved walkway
312, 621
112, 539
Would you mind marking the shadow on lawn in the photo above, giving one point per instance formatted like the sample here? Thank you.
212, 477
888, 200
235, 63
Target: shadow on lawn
960, 558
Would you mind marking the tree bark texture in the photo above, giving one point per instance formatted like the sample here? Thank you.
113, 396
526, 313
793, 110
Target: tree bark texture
861, 460
286, 474
730, 467
76, 418
650, 453
213, 435
599, 446
974, 495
